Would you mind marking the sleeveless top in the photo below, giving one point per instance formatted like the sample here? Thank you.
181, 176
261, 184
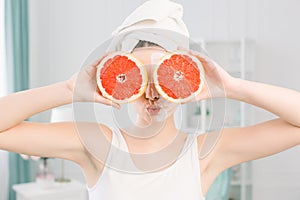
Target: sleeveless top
179, 181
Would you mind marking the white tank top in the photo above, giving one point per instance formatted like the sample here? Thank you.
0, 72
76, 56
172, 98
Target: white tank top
179, 181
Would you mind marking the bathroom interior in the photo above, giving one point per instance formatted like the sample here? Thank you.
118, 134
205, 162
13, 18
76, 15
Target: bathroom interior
252, 39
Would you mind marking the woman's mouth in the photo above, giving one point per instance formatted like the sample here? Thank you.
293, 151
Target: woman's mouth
153, 109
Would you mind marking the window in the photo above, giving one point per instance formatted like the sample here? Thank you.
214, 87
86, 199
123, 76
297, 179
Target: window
3, 86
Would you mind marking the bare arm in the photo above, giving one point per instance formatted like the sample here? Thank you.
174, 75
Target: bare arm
47, 139
239, 145
283, 102
248, 143
17, 107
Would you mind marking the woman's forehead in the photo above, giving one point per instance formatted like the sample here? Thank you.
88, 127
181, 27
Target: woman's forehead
149, 55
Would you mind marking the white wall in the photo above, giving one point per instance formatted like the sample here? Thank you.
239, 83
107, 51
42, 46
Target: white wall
63, 32
277, 37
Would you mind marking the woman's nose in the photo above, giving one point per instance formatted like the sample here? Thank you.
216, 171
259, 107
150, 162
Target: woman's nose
151, 92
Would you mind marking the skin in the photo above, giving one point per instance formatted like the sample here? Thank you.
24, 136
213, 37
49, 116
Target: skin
235, 146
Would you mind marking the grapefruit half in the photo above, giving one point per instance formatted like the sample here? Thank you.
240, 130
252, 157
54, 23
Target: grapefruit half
121, 77
178, 77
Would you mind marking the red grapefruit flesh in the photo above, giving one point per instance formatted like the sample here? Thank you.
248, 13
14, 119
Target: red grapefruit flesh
121, 78
178, 77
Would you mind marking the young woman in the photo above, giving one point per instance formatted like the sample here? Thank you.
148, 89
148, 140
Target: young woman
186, 178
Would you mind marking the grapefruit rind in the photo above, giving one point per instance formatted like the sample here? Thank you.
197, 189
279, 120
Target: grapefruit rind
165, 95
143, 73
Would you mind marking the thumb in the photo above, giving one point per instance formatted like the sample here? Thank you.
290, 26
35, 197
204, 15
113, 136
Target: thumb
105, 101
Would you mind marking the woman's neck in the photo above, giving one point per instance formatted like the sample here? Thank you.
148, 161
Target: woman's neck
156, 135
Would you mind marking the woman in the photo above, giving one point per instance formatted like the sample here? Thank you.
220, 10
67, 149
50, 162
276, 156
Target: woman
185, 178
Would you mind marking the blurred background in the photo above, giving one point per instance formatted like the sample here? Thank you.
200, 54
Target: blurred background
56, 36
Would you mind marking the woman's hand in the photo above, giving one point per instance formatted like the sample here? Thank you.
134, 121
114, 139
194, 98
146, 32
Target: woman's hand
269, 97
83, 85
217, 81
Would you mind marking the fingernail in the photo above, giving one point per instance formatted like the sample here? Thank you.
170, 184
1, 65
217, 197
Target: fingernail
117, 106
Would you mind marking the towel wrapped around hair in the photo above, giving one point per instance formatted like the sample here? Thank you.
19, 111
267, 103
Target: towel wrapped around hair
157, 21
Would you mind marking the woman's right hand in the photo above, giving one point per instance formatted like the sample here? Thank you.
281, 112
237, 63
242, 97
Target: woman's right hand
83, 85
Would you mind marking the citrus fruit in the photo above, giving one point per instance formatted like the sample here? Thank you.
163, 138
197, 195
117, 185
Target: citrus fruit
178, 77
121, 77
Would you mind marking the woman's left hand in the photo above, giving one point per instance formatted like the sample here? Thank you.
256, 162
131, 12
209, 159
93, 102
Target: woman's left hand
217, 81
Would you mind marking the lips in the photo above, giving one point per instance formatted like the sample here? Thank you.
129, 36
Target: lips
153, 109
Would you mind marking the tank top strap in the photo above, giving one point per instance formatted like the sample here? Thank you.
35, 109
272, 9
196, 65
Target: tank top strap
196, 167
118, 139
195, 153
119, 158
189, 144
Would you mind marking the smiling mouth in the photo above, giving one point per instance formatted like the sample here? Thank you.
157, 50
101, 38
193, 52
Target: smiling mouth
153, 109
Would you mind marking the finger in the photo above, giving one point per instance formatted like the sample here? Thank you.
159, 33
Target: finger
90, 69
201, 56
93, 65
117, 106
97, 62
103, 100
208, 64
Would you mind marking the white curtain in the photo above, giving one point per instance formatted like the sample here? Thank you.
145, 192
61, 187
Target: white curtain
4, 173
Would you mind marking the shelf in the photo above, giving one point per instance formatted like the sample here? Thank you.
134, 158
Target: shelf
237, 57
238, 183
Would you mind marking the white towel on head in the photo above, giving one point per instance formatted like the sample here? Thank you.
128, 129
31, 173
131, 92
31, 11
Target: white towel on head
158, 21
